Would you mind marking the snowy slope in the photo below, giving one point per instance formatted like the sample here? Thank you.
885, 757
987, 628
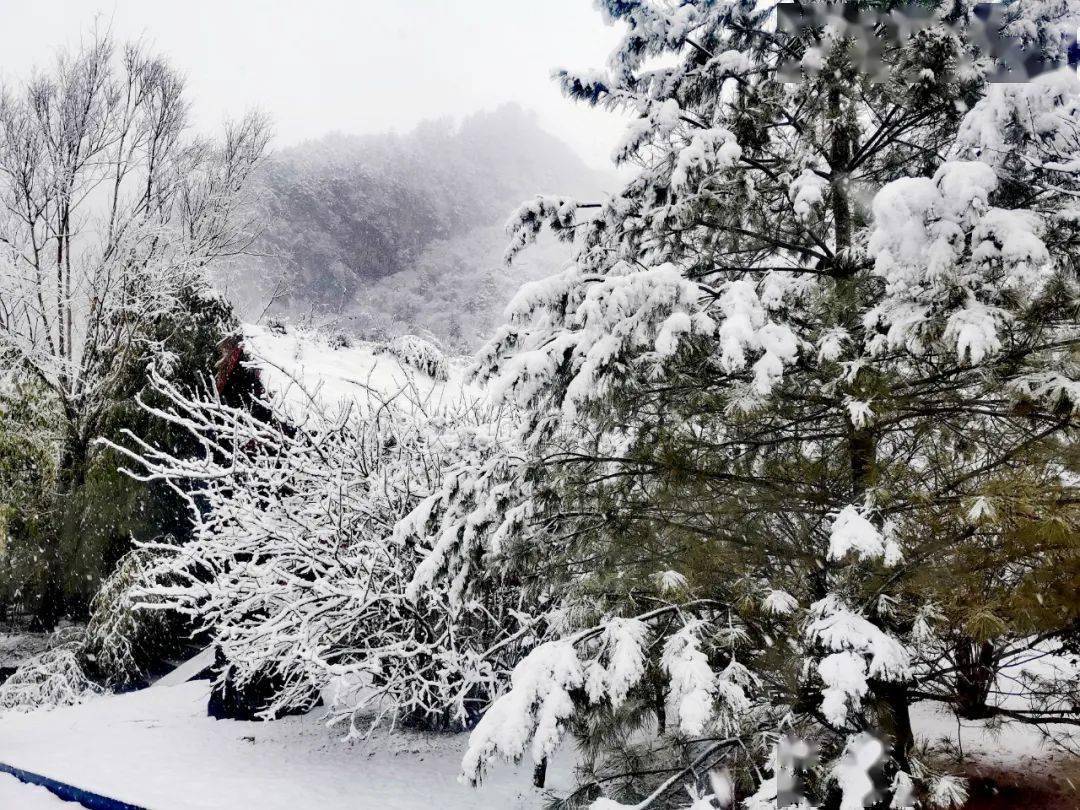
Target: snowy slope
157, 748
298, 367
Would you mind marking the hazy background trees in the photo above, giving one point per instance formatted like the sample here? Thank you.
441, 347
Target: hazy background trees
382, 235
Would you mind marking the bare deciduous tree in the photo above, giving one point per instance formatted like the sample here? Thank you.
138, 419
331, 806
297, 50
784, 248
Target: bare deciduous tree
110, 213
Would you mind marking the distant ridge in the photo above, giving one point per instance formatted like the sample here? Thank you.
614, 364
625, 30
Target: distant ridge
341, 213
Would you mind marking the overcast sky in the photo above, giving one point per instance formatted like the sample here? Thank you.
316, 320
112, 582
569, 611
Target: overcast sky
345, 65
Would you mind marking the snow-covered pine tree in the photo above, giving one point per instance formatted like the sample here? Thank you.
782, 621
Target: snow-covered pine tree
813, 372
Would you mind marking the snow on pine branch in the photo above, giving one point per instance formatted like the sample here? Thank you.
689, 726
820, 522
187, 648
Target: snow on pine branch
601, 665
852, 532
559, 214
934, 239
709, 151
535, 709
855, 650
482, 502
629, 319
651, 29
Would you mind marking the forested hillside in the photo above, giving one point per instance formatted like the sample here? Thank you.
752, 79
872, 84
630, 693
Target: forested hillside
341, 215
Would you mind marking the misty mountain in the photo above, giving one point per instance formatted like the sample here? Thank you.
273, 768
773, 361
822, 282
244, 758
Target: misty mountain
384, 232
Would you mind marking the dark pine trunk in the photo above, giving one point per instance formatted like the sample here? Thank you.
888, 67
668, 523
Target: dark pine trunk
71, 475
895, 719
540, 773
660, 707
974, 677
890, 699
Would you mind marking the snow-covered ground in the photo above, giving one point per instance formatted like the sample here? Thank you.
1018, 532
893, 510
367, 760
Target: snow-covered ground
158, 749
17, 646
1012, 747
14, 795
297, 366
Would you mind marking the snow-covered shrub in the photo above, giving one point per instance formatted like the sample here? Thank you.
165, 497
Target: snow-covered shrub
295, 569
121, 640
52, 678
340, 340
277, 326
419, 354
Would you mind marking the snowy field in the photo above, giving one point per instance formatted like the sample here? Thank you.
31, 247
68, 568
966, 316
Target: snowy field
157, 748
297, 367
14, 795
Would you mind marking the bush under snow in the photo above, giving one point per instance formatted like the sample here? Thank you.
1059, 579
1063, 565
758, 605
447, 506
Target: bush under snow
53, 678
417, 353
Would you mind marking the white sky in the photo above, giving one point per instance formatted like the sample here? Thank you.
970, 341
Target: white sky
351, 66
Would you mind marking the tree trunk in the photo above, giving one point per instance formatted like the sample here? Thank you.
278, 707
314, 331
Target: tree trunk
974, 677
890, 699
540, 773
70, 477
894, 718
839, 157
660, 706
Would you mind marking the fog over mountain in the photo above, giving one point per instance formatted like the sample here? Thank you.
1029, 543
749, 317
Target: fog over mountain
385, 234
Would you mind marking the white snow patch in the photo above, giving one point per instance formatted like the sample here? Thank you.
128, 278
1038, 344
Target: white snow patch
157, 748
297, 367
851, 531
17, 795
187, 670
